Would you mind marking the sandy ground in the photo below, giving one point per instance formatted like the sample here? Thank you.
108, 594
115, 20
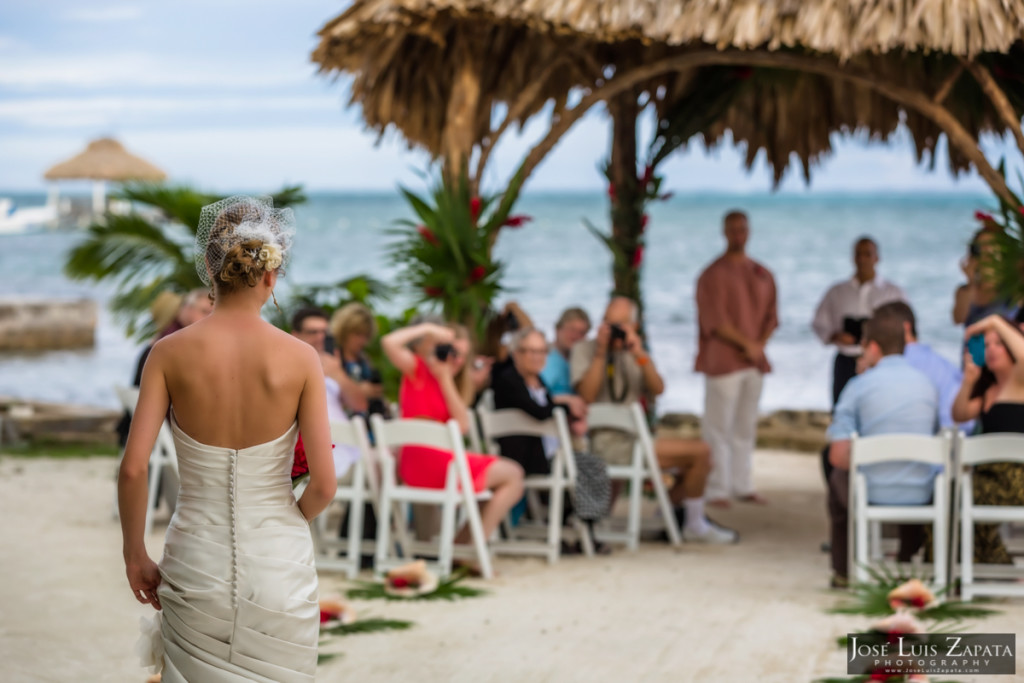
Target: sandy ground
754, 611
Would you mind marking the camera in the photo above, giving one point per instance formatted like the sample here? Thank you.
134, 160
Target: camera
444, 351
618, 334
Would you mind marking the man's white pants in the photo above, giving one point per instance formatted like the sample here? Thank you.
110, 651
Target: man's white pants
730, 428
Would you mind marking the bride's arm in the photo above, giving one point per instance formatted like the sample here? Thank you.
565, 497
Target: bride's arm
133, 479
316, 438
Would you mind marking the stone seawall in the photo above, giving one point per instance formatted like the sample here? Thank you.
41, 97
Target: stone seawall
40, 325
798, 430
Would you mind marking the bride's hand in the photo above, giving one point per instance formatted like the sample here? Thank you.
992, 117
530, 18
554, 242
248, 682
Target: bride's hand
144, 577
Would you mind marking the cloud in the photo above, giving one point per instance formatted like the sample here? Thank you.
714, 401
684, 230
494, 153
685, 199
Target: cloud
103, 15
93, 112
88, 73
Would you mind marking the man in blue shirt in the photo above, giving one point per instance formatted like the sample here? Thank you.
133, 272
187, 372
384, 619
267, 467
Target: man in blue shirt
945, 376
571, 328
890, 397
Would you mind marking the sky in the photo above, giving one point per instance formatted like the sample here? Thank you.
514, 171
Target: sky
222, 94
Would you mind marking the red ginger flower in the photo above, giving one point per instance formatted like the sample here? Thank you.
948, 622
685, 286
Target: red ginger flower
434, 292
983, 216
644, 220
477, 274
517, 221
638, 257
428, 235
300, 466
611, 191
648, 174
474, 208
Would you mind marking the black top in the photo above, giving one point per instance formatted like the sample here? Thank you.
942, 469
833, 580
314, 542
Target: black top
510, 391
1004, 416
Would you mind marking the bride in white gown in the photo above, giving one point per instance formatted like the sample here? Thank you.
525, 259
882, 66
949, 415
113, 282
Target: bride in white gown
236, 586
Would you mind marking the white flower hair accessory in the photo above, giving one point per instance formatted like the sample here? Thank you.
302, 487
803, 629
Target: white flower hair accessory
270, 256
237, 220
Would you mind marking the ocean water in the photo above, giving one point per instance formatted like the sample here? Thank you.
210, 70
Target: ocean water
553, 263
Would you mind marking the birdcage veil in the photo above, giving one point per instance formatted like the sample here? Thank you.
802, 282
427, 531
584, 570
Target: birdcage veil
238, 220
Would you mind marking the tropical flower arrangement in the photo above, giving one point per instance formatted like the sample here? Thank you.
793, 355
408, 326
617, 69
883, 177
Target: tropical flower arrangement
413, 582
905, 608
445, 255
1006, 224
300, 466
630, 254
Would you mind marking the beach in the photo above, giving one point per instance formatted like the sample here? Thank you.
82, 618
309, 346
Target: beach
753, 611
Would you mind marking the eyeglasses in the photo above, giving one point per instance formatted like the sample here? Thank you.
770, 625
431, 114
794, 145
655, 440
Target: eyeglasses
535, 352
316, 332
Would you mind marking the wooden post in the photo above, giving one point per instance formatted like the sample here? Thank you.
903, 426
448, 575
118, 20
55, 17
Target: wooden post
626, 196
458, 138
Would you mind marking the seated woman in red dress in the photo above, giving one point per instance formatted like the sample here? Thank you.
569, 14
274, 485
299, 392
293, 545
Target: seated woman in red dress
431, 389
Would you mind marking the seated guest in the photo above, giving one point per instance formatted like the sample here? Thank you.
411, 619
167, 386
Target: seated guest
170, 312
310, 325
520, 386
994, 395
437, 385
889, 397
572, 327
191, 308
615, 368
945, 376
354, 327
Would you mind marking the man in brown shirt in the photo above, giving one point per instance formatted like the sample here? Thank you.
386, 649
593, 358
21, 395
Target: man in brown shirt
736, 311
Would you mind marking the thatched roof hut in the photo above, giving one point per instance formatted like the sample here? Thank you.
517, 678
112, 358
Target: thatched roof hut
416, 63
105, 159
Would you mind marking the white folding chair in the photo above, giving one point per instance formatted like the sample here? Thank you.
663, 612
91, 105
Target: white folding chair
333, 552
496, 424
865, 518
644, 466
457, 494
163, 456
974, 451
486, 402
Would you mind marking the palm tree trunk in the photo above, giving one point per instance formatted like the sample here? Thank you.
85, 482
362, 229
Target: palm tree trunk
626, 198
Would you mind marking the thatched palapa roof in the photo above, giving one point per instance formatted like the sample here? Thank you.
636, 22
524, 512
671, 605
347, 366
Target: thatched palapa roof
840, 27
105, 159
406, 55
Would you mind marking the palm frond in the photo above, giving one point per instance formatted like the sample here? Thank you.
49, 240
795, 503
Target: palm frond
370, 625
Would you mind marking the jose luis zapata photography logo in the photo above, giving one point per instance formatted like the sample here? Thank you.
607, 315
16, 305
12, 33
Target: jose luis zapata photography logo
931, 653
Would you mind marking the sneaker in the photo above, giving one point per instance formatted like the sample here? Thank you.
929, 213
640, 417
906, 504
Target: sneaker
715, 535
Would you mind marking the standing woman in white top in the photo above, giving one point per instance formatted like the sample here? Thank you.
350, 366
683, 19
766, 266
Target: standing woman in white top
842, 312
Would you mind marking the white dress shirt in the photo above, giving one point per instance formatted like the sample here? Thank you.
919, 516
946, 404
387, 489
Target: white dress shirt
850, 298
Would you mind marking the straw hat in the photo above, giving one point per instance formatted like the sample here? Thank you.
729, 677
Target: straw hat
165, 308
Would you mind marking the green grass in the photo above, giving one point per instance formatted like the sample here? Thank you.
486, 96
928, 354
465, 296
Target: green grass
54, 449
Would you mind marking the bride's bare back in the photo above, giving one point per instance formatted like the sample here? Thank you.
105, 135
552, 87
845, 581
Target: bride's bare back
234, 380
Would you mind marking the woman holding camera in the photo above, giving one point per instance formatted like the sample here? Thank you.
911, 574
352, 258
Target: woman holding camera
437, 384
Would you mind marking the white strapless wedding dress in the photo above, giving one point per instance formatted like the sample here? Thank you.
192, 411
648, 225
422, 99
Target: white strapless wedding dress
239, 589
